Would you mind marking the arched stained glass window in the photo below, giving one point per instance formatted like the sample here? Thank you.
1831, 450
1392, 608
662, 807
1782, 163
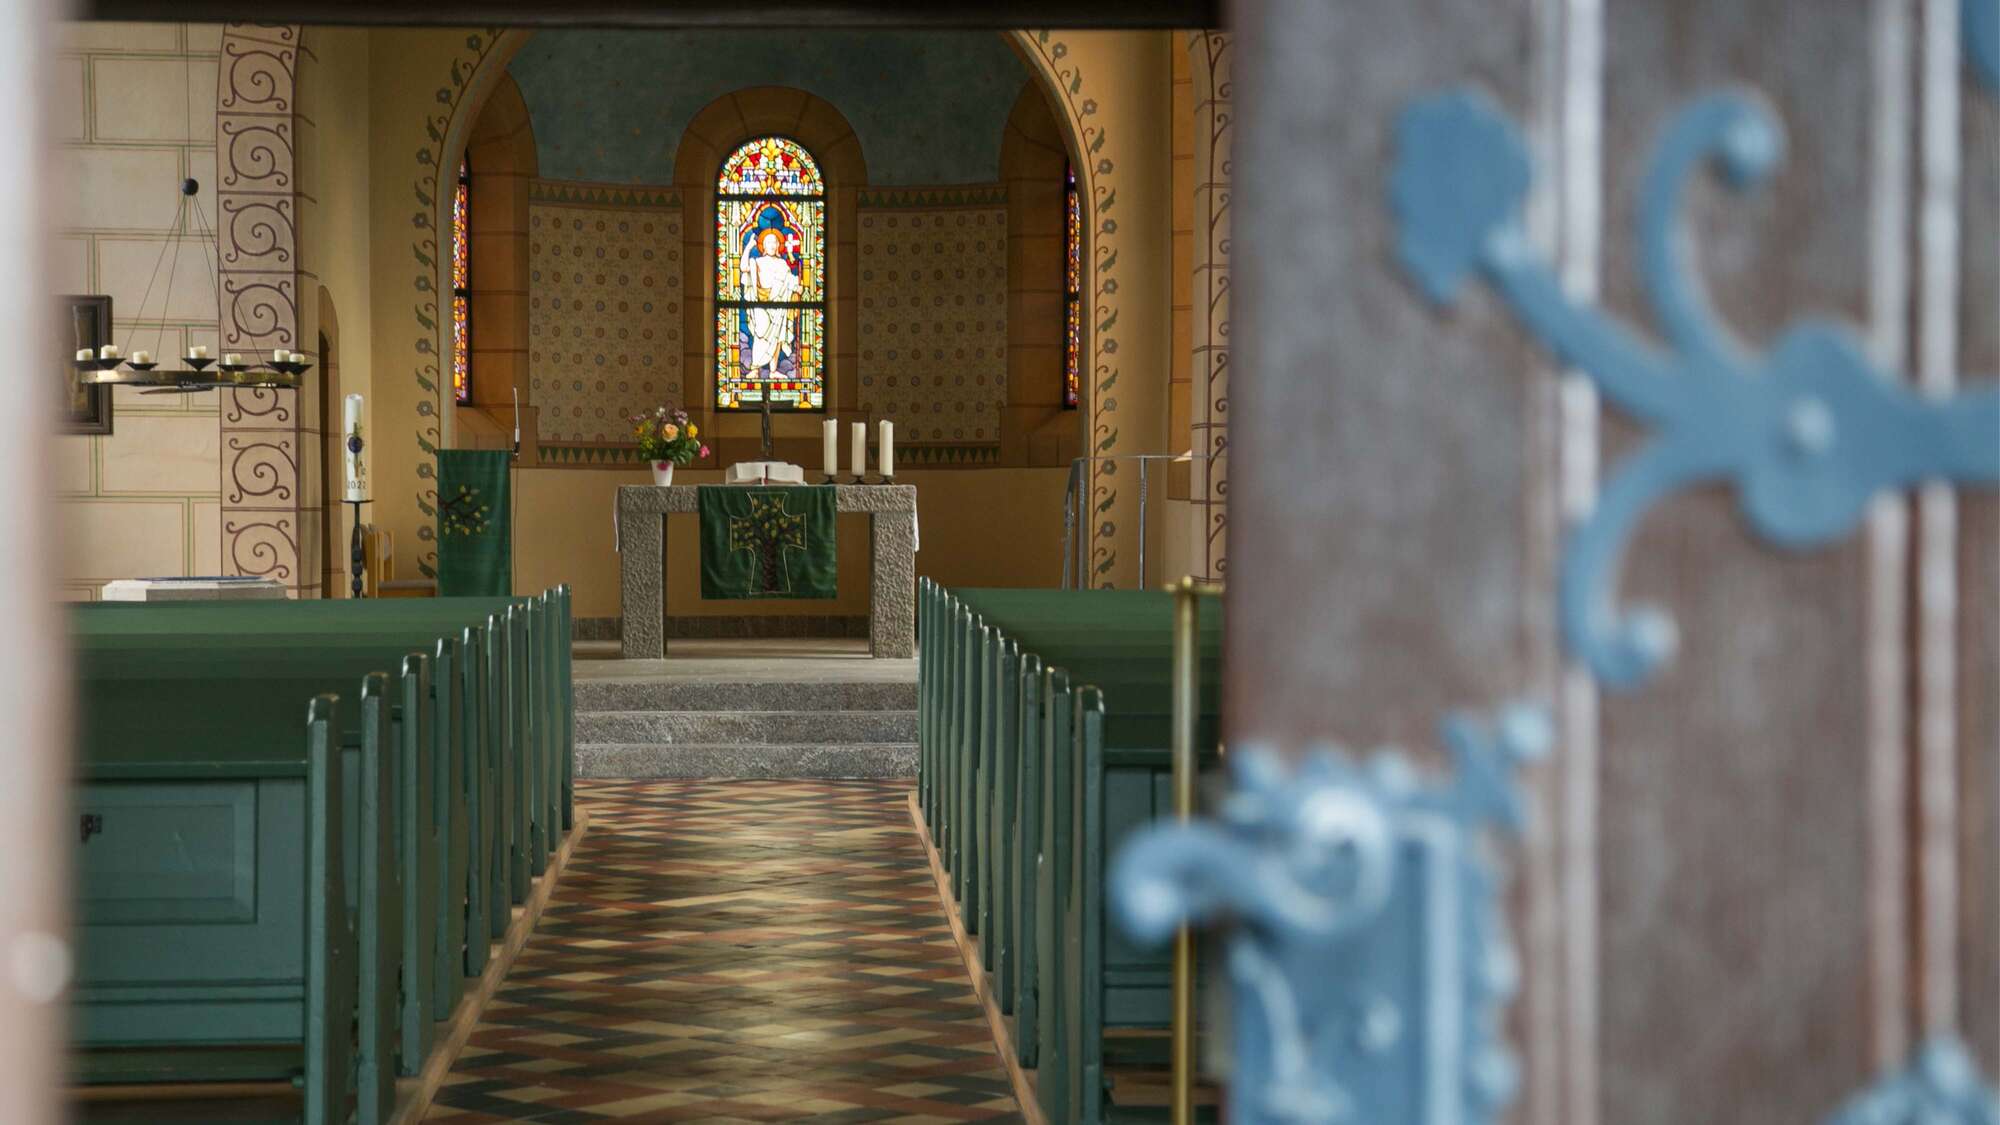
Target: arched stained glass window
461, 280
1072, 288
770, 267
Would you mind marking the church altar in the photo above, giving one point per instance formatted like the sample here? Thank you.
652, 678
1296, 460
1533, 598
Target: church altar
892, 588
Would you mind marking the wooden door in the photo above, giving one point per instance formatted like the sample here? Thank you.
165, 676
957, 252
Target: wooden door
1752, 886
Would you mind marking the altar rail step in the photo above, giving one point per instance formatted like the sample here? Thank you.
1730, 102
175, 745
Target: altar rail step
743, 695
745, 727
747, 760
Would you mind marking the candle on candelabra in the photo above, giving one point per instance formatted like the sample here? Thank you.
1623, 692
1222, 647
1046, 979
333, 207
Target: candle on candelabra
109, 351
142, 357
199, 351
885, 449
352, 445
231, 359
87, 353
859, 456
829, 447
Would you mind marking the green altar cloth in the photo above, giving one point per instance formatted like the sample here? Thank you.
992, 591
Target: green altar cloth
767, 542
474, 524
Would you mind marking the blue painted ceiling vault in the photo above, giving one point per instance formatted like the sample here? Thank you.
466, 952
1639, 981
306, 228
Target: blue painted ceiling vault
610, 106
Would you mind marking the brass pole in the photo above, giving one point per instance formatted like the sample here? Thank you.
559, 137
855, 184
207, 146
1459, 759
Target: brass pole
1187, 712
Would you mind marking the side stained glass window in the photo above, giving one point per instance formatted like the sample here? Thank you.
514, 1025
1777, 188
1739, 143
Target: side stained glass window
1072, 289
461, 277
770, 267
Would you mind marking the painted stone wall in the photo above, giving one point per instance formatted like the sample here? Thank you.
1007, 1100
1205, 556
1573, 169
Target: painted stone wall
604, 306
928, 107
933, 317
133, 113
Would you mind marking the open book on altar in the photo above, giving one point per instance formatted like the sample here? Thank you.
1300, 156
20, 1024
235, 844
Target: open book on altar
763, 472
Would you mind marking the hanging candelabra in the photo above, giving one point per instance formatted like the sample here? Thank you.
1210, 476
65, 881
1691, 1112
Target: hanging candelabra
110, 365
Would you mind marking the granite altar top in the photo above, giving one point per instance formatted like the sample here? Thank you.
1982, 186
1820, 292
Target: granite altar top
638, 498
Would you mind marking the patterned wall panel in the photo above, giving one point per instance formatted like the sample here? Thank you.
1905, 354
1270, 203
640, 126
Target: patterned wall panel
257, 259
1212, 59
933, 316
604, 306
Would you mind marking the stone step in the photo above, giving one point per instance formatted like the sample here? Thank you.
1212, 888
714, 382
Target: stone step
746, 695
685, 759
746, 727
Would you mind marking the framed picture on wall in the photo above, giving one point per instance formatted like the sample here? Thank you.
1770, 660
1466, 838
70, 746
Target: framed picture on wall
82, 322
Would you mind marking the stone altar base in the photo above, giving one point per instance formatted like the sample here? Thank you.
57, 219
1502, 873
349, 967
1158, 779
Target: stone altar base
748, 708
892, 583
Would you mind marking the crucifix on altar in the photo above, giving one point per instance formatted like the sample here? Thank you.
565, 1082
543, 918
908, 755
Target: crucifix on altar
769, 274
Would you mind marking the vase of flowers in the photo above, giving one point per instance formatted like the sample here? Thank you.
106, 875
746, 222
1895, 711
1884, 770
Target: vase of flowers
666, 439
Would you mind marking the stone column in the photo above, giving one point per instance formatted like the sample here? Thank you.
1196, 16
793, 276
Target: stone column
892, 585
642, 574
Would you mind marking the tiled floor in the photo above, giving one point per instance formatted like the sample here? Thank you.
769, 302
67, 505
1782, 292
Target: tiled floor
725, 951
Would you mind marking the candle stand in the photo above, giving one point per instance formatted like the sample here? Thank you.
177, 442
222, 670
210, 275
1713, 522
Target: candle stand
358, 552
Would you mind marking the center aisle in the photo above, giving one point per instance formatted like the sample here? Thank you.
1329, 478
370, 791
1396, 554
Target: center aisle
725, 951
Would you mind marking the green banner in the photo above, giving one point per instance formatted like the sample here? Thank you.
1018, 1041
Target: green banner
475, 527
767, 542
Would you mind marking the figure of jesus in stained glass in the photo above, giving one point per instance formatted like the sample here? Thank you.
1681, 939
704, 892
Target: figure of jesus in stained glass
768, 275
770, 257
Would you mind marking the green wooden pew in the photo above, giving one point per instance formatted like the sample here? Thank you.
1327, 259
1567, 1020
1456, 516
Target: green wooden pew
491, 736
176, 701
198, 963
544, 713
1028, 781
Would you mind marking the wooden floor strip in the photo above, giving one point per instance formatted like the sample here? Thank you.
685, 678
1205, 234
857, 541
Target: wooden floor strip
982, 985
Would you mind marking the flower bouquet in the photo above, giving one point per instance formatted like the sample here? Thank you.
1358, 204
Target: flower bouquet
667, 438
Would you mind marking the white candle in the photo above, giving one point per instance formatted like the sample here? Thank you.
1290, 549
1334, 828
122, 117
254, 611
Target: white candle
231, 359
142, 357
281, 355
351, 445
885, 449
829, 446
199, 351
860, 452
109, 351
86, 353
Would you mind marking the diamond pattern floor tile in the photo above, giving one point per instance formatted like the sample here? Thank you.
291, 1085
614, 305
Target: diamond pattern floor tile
736, 951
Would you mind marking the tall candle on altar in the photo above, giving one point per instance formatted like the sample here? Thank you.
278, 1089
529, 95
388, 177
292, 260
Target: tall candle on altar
860, 457
885, 449
351, 447
829, 447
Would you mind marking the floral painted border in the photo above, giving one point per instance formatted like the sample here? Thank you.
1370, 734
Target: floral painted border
1100, 231
579, 193
1214, 80
952, 195
257, 268
424, 250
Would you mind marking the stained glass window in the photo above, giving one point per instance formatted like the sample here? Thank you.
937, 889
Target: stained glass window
770, 266
461, 277
1072, 289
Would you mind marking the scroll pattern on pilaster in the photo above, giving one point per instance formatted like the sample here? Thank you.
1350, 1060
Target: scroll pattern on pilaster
426, 187
1095, 179
257, 265
1213, 58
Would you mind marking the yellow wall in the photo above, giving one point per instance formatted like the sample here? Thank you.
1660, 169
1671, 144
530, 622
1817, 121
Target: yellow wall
334, 256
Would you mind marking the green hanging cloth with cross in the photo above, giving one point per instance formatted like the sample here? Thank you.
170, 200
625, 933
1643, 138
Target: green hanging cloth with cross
767, 542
